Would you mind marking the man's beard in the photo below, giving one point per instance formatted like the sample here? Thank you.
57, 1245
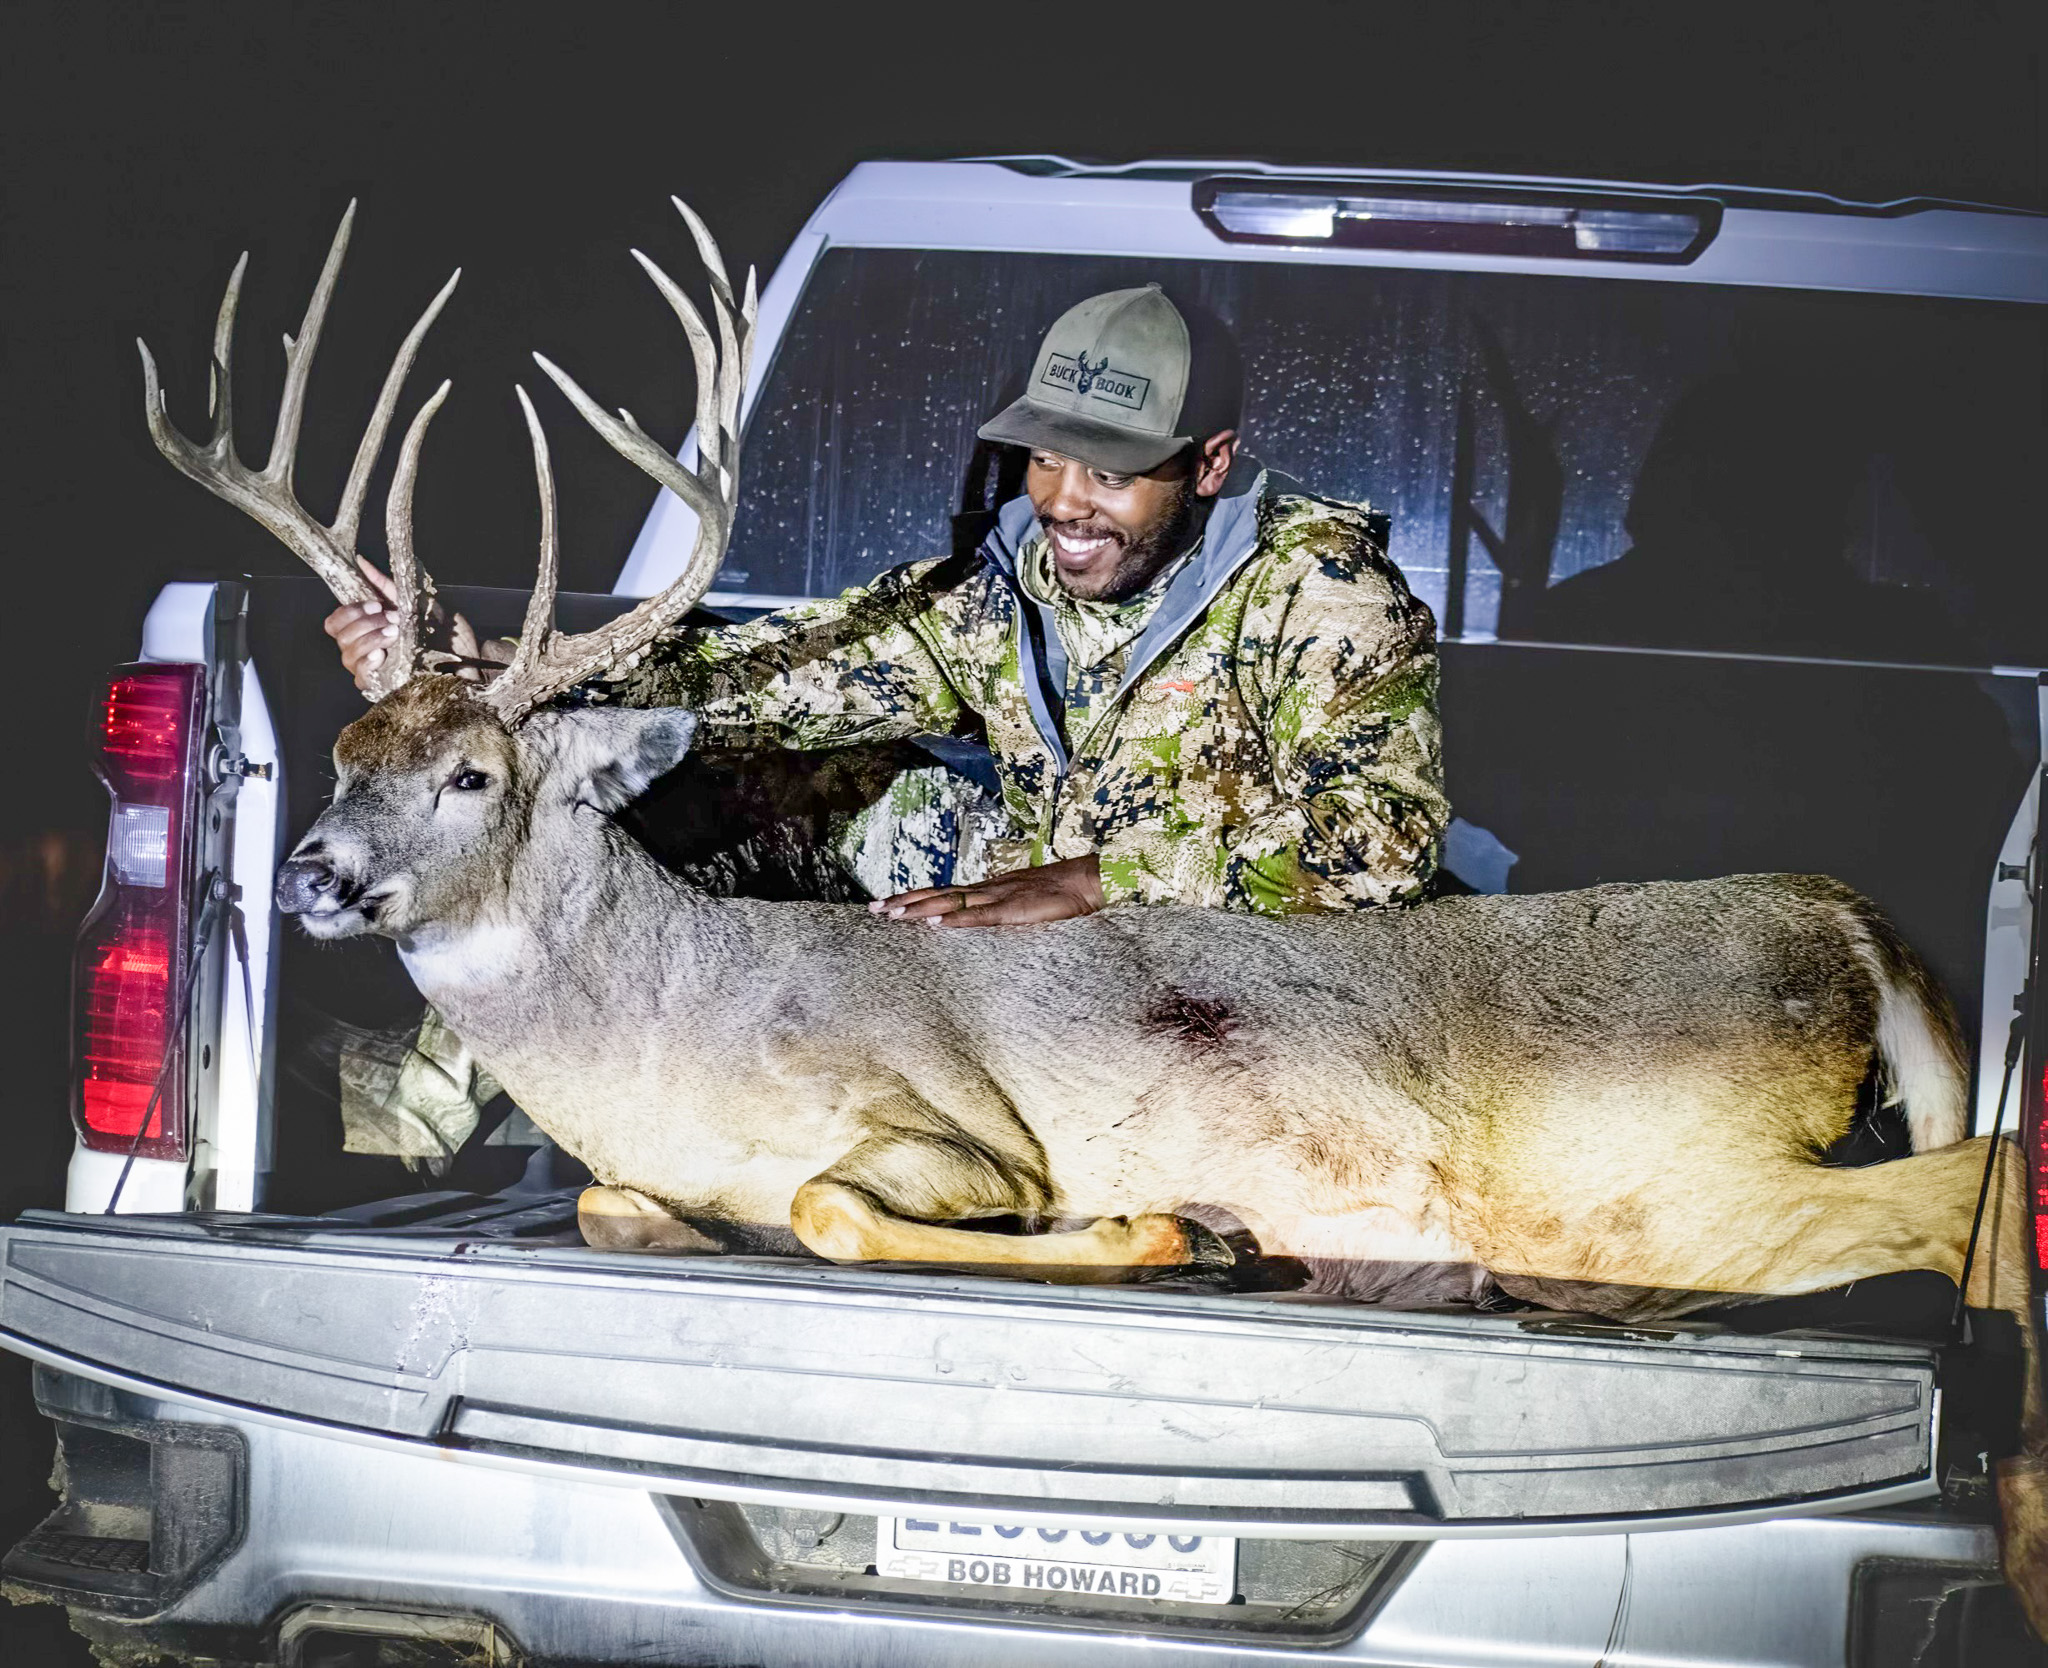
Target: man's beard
1142, 557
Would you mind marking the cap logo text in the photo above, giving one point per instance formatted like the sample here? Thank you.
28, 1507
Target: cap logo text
1095, 379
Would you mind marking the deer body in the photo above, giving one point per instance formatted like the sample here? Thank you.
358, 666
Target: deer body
1493, 1084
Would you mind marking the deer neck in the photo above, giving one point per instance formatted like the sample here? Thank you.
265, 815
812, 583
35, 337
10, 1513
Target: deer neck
562, 940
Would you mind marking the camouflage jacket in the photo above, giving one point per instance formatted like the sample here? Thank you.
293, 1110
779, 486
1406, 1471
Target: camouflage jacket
1271, 744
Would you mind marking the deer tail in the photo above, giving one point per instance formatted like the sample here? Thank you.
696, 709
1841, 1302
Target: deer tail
1923, 1058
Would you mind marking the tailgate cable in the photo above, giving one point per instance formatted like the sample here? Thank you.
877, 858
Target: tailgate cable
219, 892
238, 936
2014, 1043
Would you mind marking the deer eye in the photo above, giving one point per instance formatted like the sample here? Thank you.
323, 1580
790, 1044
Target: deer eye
469, 781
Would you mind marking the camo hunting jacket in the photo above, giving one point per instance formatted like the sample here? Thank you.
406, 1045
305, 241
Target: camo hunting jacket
1271, 743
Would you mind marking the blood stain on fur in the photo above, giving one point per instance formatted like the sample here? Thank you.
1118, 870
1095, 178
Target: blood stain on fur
1204, 1024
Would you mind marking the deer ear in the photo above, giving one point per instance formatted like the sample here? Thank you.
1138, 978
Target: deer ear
607, 757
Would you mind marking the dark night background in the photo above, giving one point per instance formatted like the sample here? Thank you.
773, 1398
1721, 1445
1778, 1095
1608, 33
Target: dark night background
141, 147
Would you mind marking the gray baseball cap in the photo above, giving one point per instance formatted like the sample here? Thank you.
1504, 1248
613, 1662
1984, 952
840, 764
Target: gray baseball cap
1108, 385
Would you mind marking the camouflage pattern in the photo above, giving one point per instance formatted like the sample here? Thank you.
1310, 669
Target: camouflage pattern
1282, 754
933, 827
408, 1092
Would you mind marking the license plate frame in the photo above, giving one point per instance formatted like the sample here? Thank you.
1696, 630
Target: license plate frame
1061, 1561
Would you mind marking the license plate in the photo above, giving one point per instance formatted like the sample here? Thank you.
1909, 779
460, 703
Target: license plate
1073, 1560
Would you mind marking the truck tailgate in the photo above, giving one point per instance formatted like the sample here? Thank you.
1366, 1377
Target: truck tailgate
758, 1379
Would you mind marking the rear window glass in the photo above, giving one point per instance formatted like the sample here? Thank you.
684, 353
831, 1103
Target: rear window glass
1563, 459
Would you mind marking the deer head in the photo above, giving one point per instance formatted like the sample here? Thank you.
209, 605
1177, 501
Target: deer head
446, 781
442, 810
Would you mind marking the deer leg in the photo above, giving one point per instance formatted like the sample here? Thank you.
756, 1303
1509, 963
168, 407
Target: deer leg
866, 1208
1829, 1226
620, 1219
1767, 1227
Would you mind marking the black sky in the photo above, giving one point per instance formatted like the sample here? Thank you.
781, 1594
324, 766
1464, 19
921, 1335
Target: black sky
144, 146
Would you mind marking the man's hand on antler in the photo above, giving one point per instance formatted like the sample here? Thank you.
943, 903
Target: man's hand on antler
1050, 892
366, 631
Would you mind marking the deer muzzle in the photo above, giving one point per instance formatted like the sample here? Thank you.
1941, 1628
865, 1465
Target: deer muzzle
312, 885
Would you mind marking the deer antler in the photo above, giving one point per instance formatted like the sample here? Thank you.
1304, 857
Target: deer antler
267, 494
548, 662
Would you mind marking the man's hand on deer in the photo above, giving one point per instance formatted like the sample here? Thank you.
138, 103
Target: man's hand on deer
1050, 892
366, 631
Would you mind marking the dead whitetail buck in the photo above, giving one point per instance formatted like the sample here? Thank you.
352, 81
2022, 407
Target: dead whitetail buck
1581, 1096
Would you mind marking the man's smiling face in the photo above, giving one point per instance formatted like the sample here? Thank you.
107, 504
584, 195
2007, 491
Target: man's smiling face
1111, 533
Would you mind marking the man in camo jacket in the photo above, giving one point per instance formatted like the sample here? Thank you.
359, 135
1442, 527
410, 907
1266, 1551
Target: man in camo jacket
1201, 683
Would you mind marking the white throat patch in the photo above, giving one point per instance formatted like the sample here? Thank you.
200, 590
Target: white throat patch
480, 955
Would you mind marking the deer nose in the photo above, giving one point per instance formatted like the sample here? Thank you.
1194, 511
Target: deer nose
310, 883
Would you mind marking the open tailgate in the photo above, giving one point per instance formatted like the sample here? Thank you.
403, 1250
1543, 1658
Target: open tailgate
794, 1383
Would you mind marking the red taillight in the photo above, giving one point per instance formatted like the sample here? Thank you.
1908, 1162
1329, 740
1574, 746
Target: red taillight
2036, 1136
130, 966
143, 720
126, 1022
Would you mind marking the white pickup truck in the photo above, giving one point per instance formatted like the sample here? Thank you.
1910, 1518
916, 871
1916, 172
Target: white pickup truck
1728, 504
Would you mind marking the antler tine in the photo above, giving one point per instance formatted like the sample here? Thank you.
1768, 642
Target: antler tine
298, 356
414, 587
707, 251
220, 402
728, 386
712, 437
350, 515
736, 387
536, 637
183, 451
632, 442
701, 351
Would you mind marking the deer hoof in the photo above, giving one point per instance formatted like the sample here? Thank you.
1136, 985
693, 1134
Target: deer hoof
1203, 1247
618, 1219
1172, 1242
